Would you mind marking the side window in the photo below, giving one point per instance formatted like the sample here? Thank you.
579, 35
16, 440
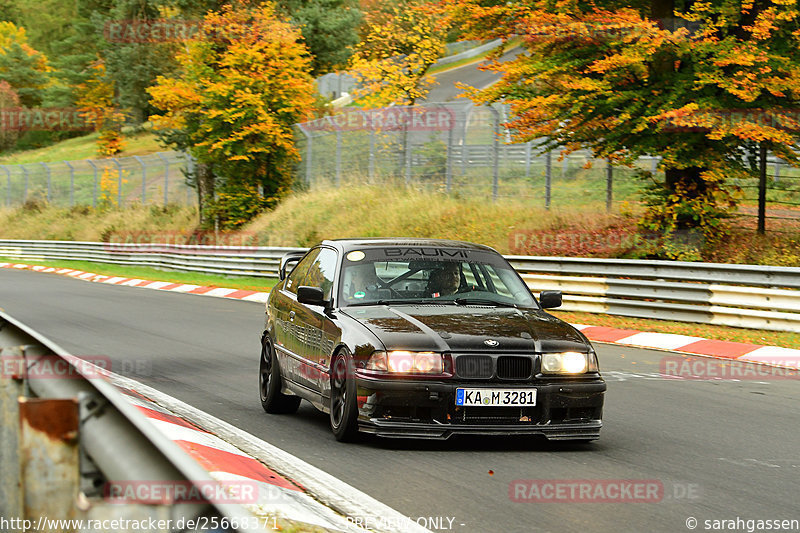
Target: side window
320, 272
295, 279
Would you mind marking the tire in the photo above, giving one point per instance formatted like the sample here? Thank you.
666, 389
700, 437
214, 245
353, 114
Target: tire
344, 411
269, 383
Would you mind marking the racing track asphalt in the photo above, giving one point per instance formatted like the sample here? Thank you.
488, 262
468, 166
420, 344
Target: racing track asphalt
445, 89
733, 445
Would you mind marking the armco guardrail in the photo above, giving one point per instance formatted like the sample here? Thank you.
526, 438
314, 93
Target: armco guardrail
66, 432
755, 296
221, 260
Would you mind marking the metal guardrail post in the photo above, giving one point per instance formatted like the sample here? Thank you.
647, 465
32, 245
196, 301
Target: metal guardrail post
49, 179
609, 185
495, 152
119, 181
118, 439
464, 145
94, 190
308, 158
50, 471
338, 156
71, 183
27, 180
406, 154
528, 159
8, 185
190, 170
10, 472
166, 177
548, 175
448, 171
144, 178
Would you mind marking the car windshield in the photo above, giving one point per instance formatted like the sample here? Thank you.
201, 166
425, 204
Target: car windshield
431, 275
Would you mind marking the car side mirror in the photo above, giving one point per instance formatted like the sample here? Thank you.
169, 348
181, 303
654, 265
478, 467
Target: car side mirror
550, 299
310, 295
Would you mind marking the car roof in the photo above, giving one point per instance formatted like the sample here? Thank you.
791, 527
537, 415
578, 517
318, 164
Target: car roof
353, 244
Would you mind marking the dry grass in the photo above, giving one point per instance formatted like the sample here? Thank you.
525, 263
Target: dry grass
86, 224
372, 211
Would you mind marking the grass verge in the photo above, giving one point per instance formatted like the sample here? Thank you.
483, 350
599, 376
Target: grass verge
155, 274
783, 339
84, 147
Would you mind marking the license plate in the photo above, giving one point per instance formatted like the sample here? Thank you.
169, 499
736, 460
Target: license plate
495, 397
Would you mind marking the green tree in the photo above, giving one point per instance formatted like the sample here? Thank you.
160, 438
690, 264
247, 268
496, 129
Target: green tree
330, 30
21, 66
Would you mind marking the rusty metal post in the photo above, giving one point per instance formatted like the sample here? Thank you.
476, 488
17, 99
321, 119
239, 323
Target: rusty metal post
10, 478
49, 453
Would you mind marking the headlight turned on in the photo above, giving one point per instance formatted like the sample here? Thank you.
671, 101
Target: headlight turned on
403, 362
568, 363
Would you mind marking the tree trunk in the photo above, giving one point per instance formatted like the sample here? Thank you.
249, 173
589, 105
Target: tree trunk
205, 190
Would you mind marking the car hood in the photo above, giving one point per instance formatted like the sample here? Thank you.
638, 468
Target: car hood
467, 328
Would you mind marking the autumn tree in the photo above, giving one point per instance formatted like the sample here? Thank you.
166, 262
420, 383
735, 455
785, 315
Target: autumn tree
241, 88
401, 42
95, 99
21, 66
655, 78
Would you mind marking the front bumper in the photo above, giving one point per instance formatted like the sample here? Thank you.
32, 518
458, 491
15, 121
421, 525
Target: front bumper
565, 410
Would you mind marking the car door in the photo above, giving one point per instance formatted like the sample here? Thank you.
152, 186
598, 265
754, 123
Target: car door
288, 338
313, 324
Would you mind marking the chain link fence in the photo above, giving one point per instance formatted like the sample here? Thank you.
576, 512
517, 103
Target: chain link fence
455, 147
158, 178
458, 148
463, 149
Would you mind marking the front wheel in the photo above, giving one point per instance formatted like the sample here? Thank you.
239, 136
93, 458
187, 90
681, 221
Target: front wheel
344, 411
269, 383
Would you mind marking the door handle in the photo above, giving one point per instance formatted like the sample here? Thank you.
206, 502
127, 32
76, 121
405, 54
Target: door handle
291, 315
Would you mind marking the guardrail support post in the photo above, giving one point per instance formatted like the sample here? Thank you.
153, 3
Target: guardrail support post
10, 471
166, 177
8, 185
49, 180
548, 175
49, 452
71, 183
144, 178
609, 185
338, 157
119, 182
94, 192
528, 159
495, 154
27, 179
449, 163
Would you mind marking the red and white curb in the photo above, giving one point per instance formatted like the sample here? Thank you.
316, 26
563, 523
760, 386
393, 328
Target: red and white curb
770, 355
238, 294
302, 493
755, 353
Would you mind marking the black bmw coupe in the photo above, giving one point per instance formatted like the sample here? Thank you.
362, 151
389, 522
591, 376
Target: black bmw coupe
424, 338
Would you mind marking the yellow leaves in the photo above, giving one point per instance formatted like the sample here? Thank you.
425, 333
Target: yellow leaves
395, 54
242, 88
